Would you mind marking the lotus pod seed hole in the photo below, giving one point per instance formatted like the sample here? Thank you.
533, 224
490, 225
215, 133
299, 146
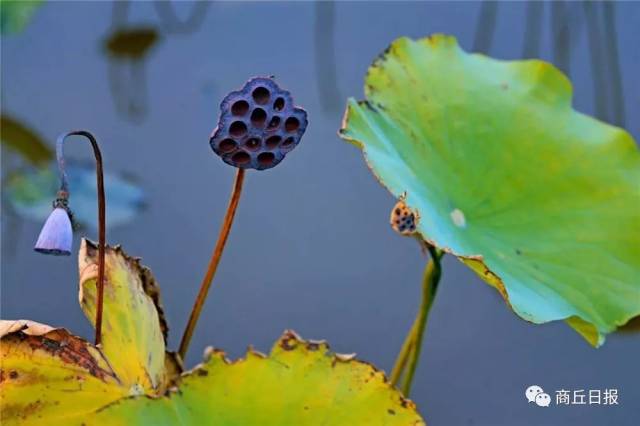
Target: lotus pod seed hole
261, 95
291, 124
252, 144
273, 141
241, 158
266, 159
288, 142
240, 108
258, 117
278, 105
227, 145
237, 128
275, 122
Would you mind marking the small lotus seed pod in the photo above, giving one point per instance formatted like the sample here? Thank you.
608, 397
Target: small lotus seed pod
402, 219
258, 126
56, 235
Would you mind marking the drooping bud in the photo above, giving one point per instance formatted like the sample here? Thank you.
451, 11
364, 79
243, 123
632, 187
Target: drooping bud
56, 235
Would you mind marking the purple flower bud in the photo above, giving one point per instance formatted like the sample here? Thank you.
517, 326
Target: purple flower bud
56, 235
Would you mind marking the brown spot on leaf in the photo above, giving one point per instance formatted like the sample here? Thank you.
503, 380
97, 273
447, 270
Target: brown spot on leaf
60, 344
288, 344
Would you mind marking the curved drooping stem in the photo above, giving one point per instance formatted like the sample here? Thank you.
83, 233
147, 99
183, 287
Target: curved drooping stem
64, 189
213, 263
407, 360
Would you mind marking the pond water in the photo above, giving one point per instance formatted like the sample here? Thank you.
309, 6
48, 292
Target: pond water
311, 248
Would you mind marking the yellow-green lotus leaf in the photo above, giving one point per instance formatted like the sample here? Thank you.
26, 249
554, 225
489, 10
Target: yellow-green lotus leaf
133, 326
538, 199
48, 376
299, 383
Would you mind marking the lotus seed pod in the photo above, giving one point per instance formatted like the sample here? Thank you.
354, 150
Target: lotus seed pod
402, 219
56, 235
258, 126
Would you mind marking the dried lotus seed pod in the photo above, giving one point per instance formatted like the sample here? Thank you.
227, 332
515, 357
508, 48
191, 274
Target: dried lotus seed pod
258, 126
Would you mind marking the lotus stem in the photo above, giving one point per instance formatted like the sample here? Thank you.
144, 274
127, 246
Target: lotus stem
430, 282
401, 360
213, 263
64, 190
407, 360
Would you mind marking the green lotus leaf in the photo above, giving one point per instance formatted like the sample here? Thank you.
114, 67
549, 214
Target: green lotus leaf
540, 200
49, 376
299, 383
134, 328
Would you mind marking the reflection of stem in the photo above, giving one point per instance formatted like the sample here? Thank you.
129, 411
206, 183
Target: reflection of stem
213, 263
126, 75
114, 72
532, 29
613, 61
486, 26
138, 100
101, 214
407, 360
119, 13
560, 24
173, 24
327, 76
597, 60
127, 82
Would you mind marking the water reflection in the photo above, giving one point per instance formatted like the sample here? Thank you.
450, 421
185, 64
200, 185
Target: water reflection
485, 27
127, 48
28, 193
532, 30
172, 24
325, 56
23, 141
